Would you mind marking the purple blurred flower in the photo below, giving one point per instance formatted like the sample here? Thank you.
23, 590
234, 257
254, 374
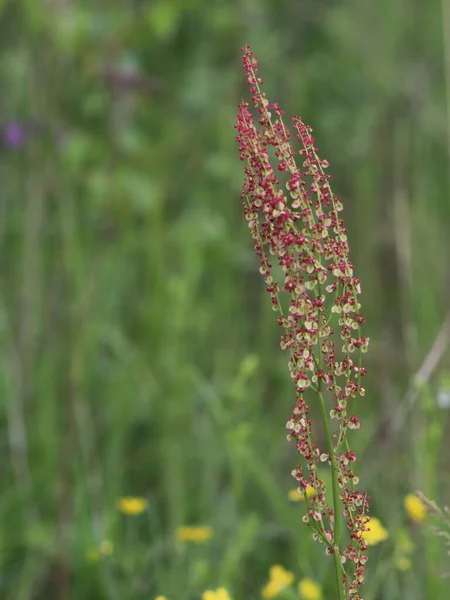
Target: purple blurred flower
15, 134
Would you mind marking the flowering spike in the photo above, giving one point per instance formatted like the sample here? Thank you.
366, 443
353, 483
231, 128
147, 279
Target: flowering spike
295, 223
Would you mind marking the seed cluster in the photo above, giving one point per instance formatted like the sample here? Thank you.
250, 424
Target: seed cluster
297, 231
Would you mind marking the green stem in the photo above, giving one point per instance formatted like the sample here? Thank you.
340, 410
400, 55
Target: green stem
336, 503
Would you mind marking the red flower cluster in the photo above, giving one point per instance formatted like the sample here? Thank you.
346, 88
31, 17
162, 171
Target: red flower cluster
302, 247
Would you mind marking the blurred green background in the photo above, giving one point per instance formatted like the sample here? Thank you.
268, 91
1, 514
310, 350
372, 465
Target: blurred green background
139, 353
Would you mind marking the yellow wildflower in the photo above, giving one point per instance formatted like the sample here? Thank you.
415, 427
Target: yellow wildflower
131, 505
279, 579
309, 589
415, 508
161, 598
219, 594
403, 563
295, 496
202, 533
377, 532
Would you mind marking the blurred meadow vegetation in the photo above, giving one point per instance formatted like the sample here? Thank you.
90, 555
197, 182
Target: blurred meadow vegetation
140, 355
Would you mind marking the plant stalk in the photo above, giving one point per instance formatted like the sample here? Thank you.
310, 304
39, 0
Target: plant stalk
336, 507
